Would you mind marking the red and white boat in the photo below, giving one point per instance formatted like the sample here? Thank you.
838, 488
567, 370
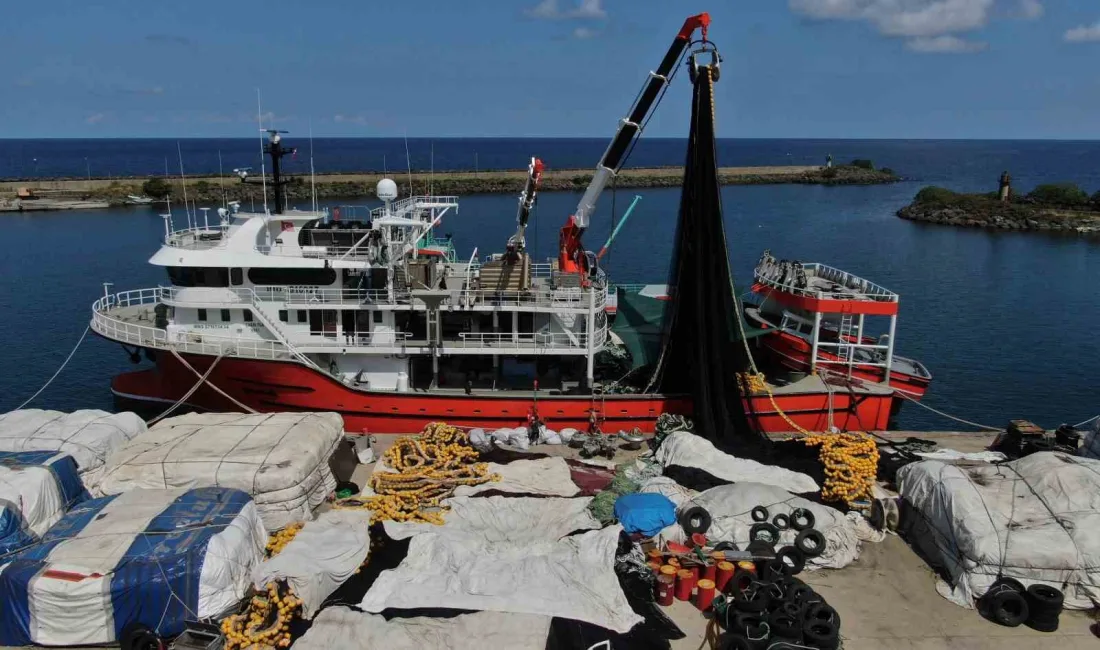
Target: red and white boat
819, 315
377, 320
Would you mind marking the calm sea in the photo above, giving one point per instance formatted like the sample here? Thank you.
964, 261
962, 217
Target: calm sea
1004, 321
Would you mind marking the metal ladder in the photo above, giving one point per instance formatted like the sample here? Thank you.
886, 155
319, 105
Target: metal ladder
272, 325
844, 338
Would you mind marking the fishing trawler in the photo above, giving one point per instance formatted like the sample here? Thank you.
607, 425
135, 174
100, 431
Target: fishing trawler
370, 315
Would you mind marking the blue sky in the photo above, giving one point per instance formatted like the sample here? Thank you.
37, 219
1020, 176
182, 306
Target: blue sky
513, 68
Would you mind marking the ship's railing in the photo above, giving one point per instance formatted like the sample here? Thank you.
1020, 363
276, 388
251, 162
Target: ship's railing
578, 299
108, 324
536, 340
412, 203
197, 238
855, 287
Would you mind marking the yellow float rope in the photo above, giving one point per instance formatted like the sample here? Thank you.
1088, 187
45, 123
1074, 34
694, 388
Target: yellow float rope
265, 624
429, 468
850, 459
280, 538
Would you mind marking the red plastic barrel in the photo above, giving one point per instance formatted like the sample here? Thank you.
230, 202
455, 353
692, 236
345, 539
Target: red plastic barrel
710, 571
665, 589
685, 584
705, 596
722, 575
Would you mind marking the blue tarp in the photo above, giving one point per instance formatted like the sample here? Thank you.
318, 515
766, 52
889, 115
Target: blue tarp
645, 513
13, 530
155, 581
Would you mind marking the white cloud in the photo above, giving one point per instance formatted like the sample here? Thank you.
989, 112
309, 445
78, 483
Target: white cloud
550, 9
583, 33
1083, 34
923, 23
360, 120
95, 118
1030, 9
946, 44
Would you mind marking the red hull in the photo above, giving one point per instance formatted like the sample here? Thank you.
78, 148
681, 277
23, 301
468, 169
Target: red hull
288, 386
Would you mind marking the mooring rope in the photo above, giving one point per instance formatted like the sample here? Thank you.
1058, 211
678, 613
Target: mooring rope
188, 394
948, 415
65, 363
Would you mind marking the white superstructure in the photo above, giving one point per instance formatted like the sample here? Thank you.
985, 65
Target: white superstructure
368, 296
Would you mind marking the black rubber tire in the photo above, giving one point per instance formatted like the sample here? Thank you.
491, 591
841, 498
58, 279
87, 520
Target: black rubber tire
775, 570
782, 521
1007, 608
821, 634
1044, 605
760, 549
796, 557
823, 612
730, 641
1045, 598
752, 601
726, 546
744, 620
810, 542
1015, 584
758, 634
764, 532
695, 520
800, 595
759, 514
136, 636
802, 519
740, 581
785, 625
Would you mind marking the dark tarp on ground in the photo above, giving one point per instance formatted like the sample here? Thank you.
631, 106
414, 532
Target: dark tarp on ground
699, 356
638, 323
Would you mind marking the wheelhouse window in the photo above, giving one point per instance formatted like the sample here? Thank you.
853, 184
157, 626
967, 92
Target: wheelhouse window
284, 277
197, 276
202, 314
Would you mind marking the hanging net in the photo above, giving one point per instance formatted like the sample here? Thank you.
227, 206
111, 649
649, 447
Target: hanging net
702, 350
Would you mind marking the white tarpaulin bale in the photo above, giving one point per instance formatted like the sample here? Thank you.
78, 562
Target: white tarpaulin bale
154, 557
689, 450
280, 459
487, 520
340, 628
1036, 519
730, 508
545, 476
88, 436
573, 578
36, 489
323, 555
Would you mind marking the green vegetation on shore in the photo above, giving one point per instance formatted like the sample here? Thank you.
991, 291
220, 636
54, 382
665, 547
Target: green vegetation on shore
1053, 206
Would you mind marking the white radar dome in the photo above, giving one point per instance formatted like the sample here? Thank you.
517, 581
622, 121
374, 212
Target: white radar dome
386, 190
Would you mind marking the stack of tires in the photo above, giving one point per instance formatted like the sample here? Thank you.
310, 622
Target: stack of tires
769, 607
1008, 603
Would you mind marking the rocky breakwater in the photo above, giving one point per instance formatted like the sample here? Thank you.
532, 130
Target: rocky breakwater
1055, 208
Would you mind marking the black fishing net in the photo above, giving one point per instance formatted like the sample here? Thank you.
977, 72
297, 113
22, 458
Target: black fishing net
702, 351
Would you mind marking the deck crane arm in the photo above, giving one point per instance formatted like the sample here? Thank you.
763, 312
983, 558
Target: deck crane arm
517, 243
571, 253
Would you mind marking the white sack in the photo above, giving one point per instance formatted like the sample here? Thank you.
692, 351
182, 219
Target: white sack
35, 494
487, 520
518, 437
730, 508
675, 492
573, 578
546, 476
341, 628
689, 450
1036, 519
280, 459
953, 454
88, 436
321, 557
1090, 447
481, 441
